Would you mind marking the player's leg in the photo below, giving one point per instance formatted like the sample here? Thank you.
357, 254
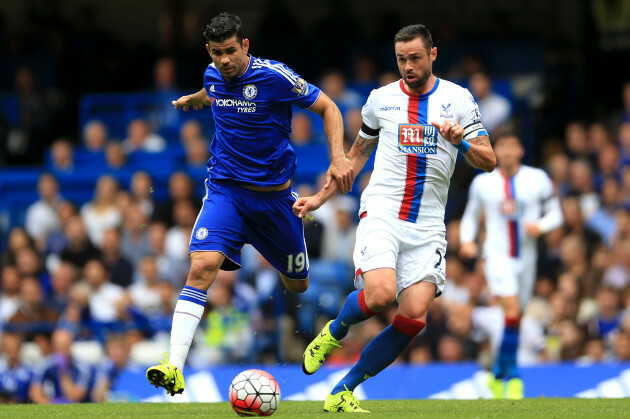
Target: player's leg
360, 305
215, 243
277, 234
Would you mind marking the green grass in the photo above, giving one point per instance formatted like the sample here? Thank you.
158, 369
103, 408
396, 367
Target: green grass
529, 408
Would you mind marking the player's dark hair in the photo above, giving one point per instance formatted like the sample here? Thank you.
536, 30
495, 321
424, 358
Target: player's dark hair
224, 26
411, 32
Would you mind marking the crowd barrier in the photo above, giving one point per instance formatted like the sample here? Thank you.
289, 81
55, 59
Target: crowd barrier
432, 381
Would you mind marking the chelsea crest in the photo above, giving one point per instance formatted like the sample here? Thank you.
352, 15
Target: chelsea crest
250, 91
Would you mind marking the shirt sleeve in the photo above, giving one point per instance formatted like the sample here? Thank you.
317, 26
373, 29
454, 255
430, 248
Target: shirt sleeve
470, 117
370, 126
290, 87
469, 225
552, 211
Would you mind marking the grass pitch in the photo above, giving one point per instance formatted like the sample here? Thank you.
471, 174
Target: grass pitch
529, 408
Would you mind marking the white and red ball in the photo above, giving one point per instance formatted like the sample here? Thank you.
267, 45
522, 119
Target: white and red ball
254, 392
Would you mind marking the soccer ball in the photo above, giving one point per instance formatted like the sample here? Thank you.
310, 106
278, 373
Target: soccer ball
254, 393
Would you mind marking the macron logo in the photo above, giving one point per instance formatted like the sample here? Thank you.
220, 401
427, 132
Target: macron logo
390, 108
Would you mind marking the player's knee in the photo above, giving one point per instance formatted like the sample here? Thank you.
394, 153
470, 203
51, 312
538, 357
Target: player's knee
202, 273
295, 285
379, 299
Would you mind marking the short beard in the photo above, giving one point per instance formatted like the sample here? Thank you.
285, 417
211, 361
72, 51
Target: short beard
418, 83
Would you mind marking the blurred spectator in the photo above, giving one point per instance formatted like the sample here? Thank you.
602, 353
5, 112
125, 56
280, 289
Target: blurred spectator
604, 221
574, 224
607, 320
178, 237
301, 130
189, 130
34, 319
18, 240
119, 268
79, 248
597, 136
450, 349
387, 78
558, 168
62, 156
108, 373
10, 295
180, 188
581, 184
594, 352
623, 139
104, 296
576, 141
339, 241
115, 157
495, 109
41, 216
145, 293
607, 164
15, 377
197, 153
95, 136
141, 189
352, 124
617, 273
28, 263
62, 378
101, 213
61, 282
140, 138
175, 271
333, 83
622, 347
165, 86
134, 237
26, 141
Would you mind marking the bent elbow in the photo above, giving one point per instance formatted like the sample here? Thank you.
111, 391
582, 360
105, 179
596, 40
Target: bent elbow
490, 164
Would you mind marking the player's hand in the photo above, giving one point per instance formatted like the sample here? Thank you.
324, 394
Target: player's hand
532, 230
185, 102
304, 204
341, 170
468, 250
450, 130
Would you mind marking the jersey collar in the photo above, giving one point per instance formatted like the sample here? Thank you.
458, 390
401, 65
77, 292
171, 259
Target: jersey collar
408, 93
248, 70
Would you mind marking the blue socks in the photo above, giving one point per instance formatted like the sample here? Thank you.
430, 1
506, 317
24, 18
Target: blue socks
354, 311
380, 352
505, 365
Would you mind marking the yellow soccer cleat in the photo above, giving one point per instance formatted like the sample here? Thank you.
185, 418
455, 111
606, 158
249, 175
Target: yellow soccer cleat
343, 402
514, 389
496, 386
166, 375
317, 351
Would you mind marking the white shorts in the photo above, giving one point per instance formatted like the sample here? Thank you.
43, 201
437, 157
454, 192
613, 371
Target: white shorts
416, 255
508, 276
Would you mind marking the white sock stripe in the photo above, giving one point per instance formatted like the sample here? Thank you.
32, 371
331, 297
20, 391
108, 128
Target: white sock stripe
195, 291
195, 300
193, 295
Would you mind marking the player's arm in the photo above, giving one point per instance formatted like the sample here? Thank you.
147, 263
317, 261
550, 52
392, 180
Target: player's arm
552, 213
469, 225
478, 151
358, 156
196, 100
340, 166
36, 394
71, 390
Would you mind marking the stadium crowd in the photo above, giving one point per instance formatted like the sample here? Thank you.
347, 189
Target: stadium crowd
88, 288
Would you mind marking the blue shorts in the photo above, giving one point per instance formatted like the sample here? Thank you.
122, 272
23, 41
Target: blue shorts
232, 216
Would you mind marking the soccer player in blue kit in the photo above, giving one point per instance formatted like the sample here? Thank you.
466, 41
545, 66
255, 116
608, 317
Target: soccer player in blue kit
248, 191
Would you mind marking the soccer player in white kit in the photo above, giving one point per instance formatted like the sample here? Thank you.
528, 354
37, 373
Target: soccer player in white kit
419, 123
519, 206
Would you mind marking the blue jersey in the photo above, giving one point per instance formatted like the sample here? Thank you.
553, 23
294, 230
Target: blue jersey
49, 378
252, 115
14, 382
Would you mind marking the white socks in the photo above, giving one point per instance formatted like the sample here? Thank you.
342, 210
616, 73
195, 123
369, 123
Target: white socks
188, 312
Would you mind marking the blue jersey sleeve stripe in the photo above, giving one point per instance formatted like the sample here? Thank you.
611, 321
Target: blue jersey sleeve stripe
292, 78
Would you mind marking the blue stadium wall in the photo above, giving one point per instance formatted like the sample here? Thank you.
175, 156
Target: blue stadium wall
433, 381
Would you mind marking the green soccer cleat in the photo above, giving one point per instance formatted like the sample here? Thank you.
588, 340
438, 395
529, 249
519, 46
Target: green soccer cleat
514, 389
496, 386
343, 402
317, 351
166, 375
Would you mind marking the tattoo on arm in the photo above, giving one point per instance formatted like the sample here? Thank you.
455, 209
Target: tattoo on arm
365, 146
481, 140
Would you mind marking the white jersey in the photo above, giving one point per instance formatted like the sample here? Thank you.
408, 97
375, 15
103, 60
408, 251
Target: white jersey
509, 203
413, 163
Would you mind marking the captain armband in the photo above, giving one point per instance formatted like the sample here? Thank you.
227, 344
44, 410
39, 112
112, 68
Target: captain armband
369, 132
475, 127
